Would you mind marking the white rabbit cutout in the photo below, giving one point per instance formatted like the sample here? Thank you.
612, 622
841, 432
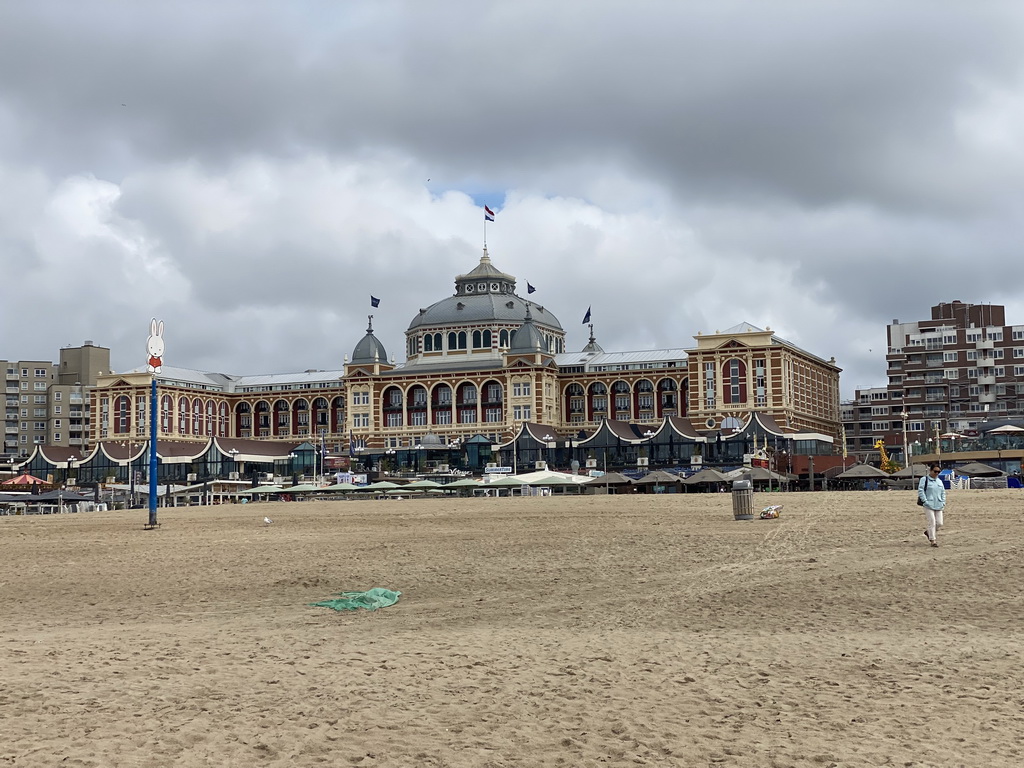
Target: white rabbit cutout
155, 345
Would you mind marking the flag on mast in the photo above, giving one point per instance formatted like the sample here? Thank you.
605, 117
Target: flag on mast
488, 214
374, 301
530, 288
586, 317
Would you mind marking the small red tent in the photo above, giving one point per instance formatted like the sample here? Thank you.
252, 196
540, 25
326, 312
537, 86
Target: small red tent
25, 479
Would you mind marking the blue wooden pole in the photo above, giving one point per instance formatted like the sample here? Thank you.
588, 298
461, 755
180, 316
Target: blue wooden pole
152, 455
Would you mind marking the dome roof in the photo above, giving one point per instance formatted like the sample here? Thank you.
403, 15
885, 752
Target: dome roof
526, 338
485, 294
369, 349
504, 308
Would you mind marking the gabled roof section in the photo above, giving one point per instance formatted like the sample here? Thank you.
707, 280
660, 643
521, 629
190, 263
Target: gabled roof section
169, 450
767, 423
683, 428
260, 451
533, 431
60, 455
741, 328
612, 432
123, 450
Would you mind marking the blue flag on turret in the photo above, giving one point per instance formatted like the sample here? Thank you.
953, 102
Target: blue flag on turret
374, 301
530, 288
586, 317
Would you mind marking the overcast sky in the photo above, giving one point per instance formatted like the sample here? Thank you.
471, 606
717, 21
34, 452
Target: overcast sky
251, 172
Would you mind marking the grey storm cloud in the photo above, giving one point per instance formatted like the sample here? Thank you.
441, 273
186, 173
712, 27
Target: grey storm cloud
256, 170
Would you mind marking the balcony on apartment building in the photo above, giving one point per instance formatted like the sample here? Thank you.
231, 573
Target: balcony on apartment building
984, 344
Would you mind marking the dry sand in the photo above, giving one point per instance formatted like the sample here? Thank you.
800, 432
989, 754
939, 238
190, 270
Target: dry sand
531, 632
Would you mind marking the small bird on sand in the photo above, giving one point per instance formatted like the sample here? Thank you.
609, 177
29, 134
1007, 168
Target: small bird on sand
267, 521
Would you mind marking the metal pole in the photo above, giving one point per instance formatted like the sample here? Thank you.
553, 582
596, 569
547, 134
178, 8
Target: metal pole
906, 453
152, 455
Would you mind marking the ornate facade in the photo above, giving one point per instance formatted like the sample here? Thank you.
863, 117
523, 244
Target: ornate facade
479, 364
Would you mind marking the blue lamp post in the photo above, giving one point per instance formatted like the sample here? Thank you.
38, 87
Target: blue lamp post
155, 350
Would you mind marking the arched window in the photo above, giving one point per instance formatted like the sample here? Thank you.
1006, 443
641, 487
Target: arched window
183, 420
282, 420
734, 382
222, 420
453, 340
462, 339
486, 343
643, 397
428, 343
667, 397
477, 340
503, 338
123, 415
165, 414
211, 417
197, 416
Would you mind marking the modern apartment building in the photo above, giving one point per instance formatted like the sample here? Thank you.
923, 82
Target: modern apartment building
48, 404
25, 400
949, 373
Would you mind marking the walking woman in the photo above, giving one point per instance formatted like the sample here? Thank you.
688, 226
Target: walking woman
932, 494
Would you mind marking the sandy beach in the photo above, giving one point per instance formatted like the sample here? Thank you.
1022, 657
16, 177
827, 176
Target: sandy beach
551, 631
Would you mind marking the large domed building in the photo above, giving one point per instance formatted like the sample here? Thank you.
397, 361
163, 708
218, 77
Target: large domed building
481, 366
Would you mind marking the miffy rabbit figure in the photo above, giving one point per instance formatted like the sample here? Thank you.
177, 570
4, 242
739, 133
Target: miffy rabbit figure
155, 345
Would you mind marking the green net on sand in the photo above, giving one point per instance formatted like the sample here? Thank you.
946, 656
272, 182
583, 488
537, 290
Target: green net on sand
371, 600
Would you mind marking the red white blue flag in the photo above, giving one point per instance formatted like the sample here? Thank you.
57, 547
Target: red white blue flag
488, 214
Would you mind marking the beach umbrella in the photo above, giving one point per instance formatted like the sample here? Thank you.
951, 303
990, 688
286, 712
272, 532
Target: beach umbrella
553, 478
659, 477
420, 485
65, 496
383, 485
916, 470
301, 488
466, 482
1006, 429
609, 478
977, 469
862, 472
758, 475
341, 487
265, 489
511, 481
706, 476
24, 479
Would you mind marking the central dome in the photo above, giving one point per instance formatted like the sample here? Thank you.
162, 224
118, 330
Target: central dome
479, 320
486, 294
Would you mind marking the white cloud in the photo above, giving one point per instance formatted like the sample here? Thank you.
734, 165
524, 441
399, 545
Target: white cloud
673, 167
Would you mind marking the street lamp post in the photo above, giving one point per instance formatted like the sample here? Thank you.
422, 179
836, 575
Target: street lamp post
131, 474
906, 447
548, 445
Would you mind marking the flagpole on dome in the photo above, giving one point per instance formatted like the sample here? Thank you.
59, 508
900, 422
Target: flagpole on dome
488, 216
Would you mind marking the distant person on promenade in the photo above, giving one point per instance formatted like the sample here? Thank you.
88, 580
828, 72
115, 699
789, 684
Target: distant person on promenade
932, 494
